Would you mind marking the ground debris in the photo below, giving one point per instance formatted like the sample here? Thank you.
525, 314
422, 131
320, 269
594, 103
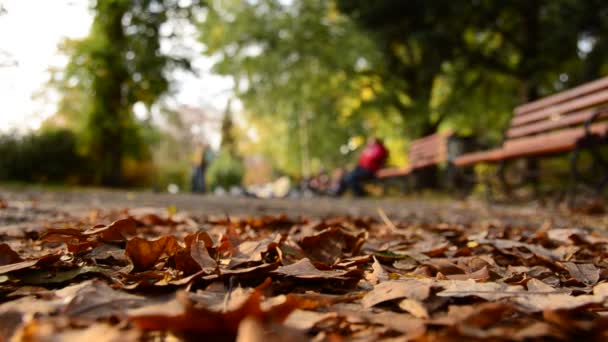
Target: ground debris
144, 274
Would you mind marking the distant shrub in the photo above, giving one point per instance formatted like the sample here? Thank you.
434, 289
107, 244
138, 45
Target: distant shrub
172, 173
225, 171
39, 157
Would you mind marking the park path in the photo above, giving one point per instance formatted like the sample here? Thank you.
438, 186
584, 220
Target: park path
30, 204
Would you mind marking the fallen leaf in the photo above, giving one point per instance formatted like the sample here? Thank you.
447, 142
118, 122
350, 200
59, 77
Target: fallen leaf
479, 275
414, 307
8, 255
305, 319
397, 289
378, 274
587, 274
505, 245
117, 231
331, 244
47, 277
201, 322
95, 300
304, 269
144, 254
46, 259
488, 291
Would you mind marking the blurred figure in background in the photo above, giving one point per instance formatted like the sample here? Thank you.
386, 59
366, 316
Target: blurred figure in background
202, 159
372, 158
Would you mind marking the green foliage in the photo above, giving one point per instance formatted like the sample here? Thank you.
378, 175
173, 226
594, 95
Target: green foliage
46, 156
225, 171
304, 73
174, 173
117, 66
471, 62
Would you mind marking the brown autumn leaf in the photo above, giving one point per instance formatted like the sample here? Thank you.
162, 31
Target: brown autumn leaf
305, 270
117, 231
331, 245
414, 307
557, 301
8, 255
144, 254
587, 274
479, 275
511, 247
195, 257
95, 300
43, 260
378, 273
469, 288
397, 289
254, 251
201, 322
57, 330
306, 319
411, 327
444, 266
199, 254
535, 285
431, 248
477, 322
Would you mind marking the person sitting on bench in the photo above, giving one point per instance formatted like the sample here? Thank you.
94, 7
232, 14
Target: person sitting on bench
372, 159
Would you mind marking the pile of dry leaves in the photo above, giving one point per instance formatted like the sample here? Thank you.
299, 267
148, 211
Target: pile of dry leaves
144, 275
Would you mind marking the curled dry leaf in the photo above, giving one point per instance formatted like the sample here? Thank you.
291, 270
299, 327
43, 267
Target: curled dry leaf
194, 258
117, 231
414, 307
378, 273
144, 254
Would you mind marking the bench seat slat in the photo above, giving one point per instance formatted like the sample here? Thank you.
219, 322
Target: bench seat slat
595, 99
551, 143
393, 172
551, 124
563, 96
423, 152
555, 142
478, 157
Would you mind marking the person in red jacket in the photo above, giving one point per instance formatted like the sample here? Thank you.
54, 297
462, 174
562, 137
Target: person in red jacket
371, 160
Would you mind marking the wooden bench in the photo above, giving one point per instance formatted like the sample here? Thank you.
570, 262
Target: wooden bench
424, 152
570, 121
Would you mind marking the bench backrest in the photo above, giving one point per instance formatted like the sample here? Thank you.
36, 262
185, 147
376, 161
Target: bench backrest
558, 112
430, 150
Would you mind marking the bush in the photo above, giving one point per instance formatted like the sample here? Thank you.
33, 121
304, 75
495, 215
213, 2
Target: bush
40, 157
173, 173
225, 171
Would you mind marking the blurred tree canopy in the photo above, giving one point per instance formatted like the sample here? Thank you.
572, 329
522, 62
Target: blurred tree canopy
416, 67
304, 74
315, 76
529, 48
118, 65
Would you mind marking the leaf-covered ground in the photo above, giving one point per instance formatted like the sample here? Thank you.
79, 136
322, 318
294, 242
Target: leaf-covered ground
150, 274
